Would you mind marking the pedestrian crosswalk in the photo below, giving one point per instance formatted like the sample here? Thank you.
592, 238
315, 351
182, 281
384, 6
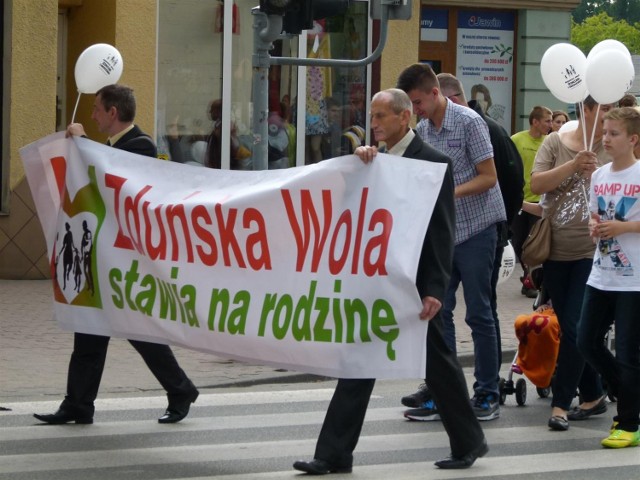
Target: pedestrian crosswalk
258, 434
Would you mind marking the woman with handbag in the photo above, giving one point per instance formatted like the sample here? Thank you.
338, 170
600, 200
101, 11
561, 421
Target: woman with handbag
562, 171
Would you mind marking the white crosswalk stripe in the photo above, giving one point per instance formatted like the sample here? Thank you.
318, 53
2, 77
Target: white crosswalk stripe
257, 435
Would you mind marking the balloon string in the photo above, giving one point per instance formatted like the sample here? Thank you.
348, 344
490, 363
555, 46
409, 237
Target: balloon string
584, 126
75, 109
593, 132
584, 194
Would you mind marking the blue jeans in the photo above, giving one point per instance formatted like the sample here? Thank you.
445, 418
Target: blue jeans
473, 266
622, 372
497, 264
565, 283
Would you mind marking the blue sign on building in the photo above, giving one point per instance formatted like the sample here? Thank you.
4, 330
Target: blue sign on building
486, 20
434, 24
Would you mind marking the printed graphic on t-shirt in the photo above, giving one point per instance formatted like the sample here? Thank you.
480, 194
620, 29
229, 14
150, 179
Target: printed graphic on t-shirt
612, 256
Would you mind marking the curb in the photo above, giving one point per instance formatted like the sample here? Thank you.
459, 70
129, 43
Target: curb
466, 361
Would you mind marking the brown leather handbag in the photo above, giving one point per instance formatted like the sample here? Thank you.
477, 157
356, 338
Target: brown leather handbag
537, 247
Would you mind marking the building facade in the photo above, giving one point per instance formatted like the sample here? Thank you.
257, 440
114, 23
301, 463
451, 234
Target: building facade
190, 65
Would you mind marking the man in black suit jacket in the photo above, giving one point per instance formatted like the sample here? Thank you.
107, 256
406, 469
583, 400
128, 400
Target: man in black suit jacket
391, 112
114, 110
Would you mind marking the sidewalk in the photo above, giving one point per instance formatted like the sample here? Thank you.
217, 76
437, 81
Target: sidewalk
34, 351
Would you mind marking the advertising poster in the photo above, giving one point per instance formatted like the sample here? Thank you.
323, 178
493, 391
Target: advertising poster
485, 61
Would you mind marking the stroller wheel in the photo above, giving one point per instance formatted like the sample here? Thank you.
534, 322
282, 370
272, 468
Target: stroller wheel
503, 393
543, 392
521, 391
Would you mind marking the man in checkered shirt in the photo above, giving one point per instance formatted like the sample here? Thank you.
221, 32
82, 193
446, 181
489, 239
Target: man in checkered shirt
461, 134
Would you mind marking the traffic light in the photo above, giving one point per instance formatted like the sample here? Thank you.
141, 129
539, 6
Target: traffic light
299, 15
276, 7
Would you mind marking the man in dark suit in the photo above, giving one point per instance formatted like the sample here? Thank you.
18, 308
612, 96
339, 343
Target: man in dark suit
114, 110
391, 112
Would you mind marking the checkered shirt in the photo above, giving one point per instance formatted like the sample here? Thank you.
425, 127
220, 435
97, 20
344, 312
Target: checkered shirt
464, 137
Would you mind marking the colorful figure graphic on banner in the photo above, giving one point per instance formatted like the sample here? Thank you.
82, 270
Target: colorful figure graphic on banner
86, 248
77, 270
81, 215
76, 261
67, 249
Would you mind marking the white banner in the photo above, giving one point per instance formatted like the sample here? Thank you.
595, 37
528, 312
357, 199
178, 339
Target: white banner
310, 269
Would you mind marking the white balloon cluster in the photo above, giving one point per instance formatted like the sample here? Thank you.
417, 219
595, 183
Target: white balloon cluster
606, 74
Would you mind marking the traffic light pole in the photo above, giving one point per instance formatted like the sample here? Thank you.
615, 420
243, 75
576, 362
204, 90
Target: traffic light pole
325, 62
267, 29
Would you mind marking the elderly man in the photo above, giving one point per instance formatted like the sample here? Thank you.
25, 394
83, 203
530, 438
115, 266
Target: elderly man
390, 119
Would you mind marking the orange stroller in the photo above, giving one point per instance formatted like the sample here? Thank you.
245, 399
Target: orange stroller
538, 336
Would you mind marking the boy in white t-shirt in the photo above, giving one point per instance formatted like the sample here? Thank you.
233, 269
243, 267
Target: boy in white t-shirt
612, 295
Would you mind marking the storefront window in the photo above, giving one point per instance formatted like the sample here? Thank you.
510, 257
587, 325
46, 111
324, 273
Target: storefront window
335, 110
189, 77
205, 86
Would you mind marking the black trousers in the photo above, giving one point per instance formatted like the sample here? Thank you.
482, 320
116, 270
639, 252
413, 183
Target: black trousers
87, 364
345, 416
520, 228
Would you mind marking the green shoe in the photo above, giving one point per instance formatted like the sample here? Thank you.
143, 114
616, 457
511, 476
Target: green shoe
622, 439
614, 425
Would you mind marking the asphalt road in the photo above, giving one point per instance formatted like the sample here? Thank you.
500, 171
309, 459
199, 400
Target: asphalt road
257, 432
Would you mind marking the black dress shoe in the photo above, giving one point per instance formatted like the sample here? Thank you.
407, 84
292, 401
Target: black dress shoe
558, 423
466, 460
578, 413
61, 417
319, 467
177, 410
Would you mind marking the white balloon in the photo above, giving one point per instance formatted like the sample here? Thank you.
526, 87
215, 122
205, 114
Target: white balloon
563, 68
610, 74
508, 264
569, 97
570, 126
97, 66
608, 44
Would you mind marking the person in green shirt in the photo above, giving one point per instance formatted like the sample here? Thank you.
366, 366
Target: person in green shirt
528, 142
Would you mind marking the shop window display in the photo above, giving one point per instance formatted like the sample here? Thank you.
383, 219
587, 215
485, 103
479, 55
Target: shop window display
191, 55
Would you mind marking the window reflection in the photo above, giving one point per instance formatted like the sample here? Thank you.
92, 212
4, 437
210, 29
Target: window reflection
335, 99
190, 78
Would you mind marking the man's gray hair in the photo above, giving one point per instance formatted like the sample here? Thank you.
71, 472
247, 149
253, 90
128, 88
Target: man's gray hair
400, 101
